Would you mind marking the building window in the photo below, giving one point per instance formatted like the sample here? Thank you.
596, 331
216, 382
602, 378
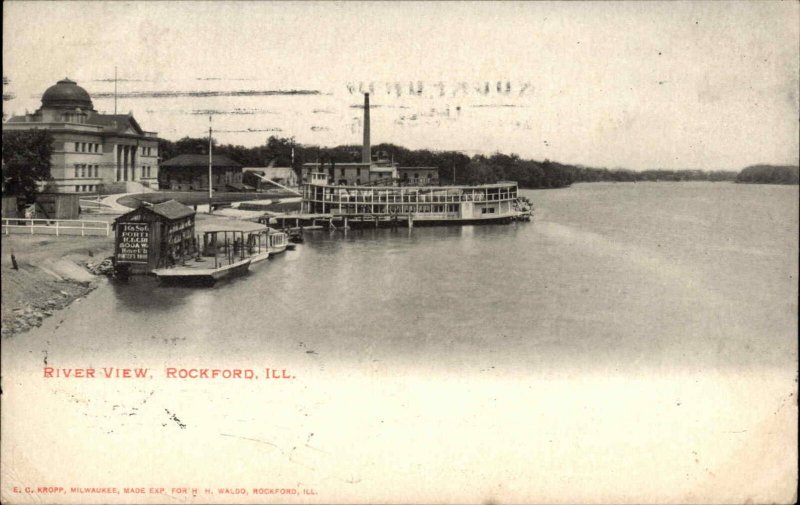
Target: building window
77, 146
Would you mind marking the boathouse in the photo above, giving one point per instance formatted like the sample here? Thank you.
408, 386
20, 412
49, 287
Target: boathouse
154, 236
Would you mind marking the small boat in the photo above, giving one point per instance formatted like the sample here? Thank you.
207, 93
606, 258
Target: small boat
296, 236
258, 244
224, 253
278, 241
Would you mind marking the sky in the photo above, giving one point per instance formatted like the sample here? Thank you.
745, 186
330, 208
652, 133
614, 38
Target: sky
677, 85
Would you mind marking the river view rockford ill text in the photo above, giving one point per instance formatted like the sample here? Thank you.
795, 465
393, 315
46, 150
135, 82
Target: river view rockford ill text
169, 373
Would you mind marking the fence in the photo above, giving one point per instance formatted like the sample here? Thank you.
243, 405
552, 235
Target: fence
57, 227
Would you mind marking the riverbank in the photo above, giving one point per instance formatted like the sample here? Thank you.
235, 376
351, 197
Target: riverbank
52, 272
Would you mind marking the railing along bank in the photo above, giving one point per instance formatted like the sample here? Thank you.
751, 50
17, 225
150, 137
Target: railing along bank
57, 227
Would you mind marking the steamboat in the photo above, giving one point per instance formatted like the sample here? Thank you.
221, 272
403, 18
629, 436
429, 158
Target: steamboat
377, 190
486, 203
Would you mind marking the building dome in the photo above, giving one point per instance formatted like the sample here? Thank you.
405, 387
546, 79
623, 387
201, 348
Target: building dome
66, 94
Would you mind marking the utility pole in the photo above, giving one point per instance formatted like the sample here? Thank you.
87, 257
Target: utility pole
210, 173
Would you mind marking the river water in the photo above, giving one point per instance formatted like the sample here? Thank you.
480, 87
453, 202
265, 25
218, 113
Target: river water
604, 345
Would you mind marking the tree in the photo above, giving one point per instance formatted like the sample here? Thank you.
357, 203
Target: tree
769, 174
26, 161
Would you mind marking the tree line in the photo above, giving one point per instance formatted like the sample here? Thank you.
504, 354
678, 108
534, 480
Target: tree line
769, 174
453, 166
27, 157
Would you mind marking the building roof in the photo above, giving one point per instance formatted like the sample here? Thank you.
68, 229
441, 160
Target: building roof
18, 119
338, 164
271, 172
172, 209
66, 94
238, 186
118, 123
200, 161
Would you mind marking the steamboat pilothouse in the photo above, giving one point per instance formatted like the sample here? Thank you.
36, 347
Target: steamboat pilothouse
377, 190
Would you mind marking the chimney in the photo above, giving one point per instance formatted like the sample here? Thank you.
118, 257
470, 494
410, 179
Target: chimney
366, 150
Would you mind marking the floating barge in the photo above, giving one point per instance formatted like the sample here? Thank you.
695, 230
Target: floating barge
224, 253
201, 272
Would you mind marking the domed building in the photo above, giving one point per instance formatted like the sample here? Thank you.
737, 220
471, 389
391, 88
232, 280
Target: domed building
92, 152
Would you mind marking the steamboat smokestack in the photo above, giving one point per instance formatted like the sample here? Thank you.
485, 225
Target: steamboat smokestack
366, 149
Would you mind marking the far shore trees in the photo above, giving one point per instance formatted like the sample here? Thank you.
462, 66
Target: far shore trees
454, 167
769, 174
26, 161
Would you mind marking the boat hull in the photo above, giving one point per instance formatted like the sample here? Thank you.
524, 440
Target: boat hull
259, 257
